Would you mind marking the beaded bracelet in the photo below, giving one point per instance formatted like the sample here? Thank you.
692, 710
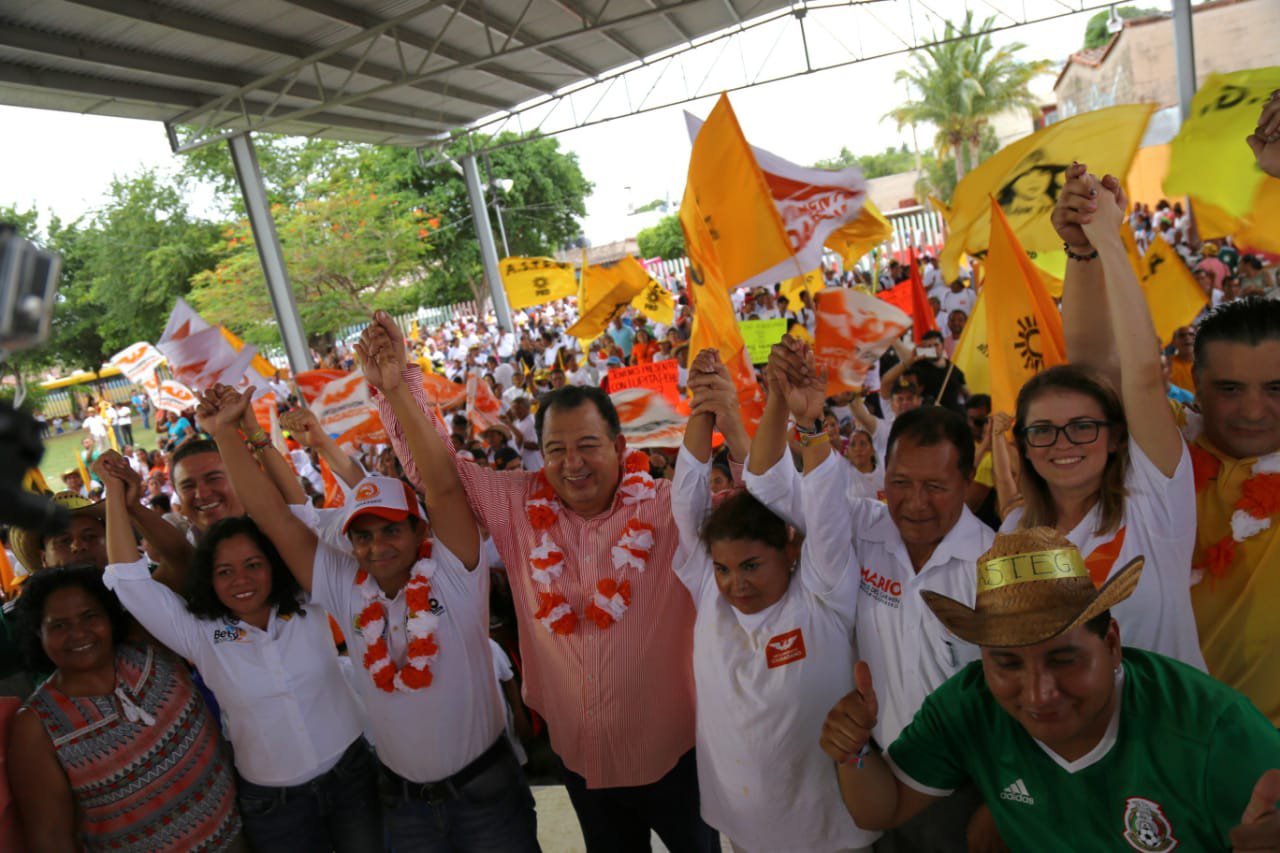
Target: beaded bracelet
808, 439
1066, 247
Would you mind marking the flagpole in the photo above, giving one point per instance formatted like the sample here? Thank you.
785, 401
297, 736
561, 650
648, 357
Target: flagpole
951, 366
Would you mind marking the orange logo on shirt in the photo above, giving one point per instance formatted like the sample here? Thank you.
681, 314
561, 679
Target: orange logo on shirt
367, 491
784, 649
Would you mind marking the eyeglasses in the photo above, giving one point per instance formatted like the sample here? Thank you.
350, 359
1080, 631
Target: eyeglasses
1077, 432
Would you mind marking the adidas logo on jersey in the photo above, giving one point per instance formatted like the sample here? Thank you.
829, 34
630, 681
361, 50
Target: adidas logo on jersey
1017, 792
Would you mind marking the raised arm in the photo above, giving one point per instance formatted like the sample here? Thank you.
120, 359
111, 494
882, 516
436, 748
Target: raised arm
166, 541
277, 468
786, 360
1151, 421
383, 362
1086, 323
219, 414
1004, 465
714, 394
906, 357
305, 427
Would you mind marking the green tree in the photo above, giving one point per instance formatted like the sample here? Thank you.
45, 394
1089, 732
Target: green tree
289, 166
962, 81
540, 211
1095, 32
891, 161
138, 255
350, 247
938, 177
664, 240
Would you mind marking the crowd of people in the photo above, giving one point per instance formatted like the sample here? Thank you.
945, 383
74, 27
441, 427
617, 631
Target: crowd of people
893, 620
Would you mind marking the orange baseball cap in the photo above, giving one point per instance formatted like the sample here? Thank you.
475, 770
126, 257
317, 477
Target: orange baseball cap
385, 497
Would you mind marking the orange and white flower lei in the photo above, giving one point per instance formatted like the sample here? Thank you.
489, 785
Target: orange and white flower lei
420, 628
612, 597
1253, 512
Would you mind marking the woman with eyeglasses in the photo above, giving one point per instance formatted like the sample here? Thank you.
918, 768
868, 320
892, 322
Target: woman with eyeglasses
1110, 470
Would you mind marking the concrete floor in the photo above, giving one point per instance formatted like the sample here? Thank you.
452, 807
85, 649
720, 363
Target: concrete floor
558, 826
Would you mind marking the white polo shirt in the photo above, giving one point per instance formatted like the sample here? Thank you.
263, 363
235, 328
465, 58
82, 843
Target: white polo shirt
1159, 523
424, 735
286, 707
910, 652
765, 682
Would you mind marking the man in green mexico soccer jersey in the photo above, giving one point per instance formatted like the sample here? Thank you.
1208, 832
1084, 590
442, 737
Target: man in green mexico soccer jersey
1074, 742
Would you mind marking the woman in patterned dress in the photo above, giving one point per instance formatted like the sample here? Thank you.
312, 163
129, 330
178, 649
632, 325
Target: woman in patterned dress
116, 750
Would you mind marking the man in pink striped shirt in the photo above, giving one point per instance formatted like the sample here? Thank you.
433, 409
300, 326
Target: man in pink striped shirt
607, 645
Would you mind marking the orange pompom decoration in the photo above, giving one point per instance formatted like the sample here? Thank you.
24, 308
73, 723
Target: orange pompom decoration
636, 462
1219, 557
1260, 495
542, 517
385, 679
416, 678
602, 618
375, 653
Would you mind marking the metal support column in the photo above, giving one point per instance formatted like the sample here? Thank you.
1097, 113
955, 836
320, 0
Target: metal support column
249, 176
484, 233
1184, 56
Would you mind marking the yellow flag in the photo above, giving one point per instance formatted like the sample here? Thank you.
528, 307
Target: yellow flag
728, 192
971, 354
536, 281
608, 288
656, 303
1026, 176
1024, 327
1255, 230
1173, 297
812, 281
1210, 159
860, 236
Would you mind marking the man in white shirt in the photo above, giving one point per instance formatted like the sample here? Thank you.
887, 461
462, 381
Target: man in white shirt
959, 298
522, 421
921, 537
934, 283
97, 428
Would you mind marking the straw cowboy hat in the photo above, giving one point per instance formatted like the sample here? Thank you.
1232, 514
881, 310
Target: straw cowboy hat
1032, 586
28, 544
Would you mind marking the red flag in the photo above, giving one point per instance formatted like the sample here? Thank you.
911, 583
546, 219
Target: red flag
910, 297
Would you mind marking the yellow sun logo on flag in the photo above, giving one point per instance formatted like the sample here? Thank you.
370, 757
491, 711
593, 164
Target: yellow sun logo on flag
1027, 343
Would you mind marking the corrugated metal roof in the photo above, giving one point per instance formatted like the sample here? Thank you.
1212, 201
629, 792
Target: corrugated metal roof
386, 71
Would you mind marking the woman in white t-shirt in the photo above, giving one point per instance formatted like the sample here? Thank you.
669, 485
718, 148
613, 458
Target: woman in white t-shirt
306, 777
1111, 471
772, 646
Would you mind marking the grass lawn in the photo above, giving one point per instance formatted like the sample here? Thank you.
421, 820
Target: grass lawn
60, 452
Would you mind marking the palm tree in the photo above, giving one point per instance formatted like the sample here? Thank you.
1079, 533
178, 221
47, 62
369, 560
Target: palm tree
964, 80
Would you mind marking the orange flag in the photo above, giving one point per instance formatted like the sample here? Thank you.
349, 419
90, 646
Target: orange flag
911, 298
1024, 327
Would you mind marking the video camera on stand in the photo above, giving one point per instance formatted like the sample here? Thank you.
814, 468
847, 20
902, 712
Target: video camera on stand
28, 285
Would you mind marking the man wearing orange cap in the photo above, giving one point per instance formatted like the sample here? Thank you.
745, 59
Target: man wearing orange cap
1073, 742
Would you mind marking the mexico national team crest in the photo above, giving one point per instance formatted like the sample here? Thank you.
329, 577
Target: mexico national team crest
1146, 828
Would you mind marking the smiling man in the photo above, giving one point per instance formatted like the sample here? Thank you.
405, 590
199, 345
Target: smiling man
1074, 742
204, 489
1237, 463
921, 537
605, 642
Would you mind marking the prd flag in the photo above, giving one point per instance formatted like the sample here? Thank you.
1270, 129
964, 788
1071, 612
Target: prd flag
1173, 297
972, 353
656, 303
1026, 176
860, 236
1209, 159
1024, 328
536, 281
607, 289
768, 217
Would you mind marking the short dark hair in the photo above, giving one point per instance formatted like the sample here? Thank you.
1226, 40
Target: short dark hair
978, 400
161, 503
1100, 624
930, 334
1251, 320
931, 425
193, 447
742, 516
29, 610
573, 396
203, 602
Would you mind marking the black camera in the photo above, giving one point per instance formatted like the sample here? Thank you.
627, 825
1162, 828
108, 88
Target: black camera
28, 287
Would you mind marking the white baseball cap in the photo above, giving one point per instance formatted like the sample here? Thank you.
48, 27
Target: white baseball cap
385, 497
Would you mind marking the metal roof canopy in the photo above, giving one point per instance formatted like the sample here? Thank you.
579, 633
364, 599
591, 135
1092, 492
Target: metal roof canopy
413, 72
395, 72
